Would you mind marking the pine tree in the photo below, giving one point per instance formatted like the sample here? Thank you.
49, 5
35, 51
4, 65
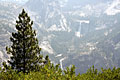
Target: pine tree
25, 51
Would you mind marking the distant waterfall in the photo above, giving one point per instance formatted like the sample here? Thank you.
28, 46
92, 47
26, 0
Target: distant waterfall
78, 33
79, 30
61, 62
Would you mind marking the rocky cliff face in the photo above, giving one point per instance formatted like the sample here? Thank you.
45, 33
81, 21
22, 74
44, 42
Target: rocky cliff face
72, 33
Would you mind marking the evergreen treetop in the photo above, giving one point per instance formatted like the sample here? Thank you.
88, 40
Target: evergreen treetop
25, 50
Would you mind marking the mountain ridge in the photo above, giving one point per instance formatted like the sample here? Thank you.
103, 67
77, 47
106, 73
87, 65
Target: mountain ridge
85, 36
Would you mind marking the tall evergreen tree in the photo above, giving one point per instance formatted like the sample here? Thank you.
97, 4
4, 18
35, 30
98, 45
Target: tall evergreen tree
25, 51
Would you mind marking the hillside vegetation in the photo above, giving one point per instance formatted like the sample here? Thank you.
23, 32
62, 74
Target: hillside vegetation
55, 73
